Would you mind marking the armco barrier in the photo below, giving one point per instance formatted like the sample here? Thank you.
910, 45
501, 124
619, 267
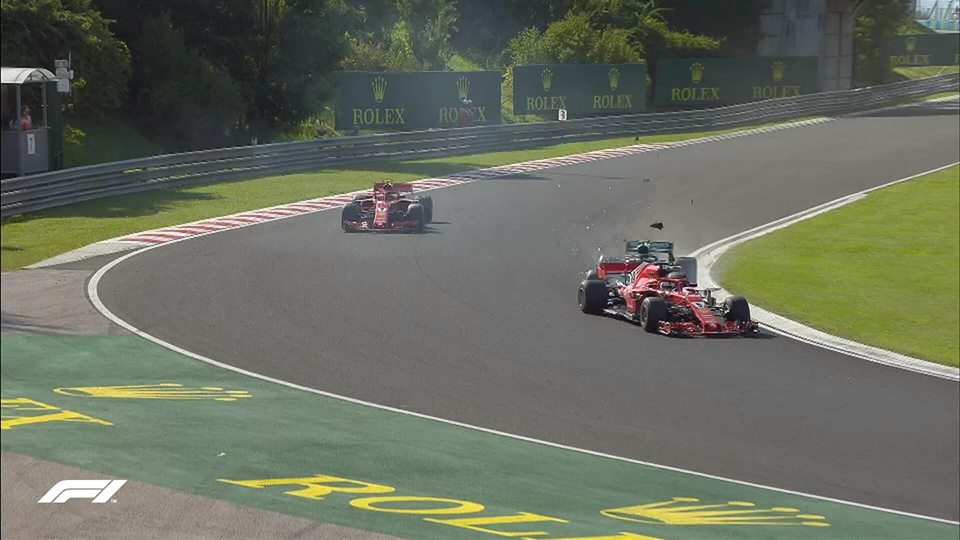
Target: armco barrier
48, 190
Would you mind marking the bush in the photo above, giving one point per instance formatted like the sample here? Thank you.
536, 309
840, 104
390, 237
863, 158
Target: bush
572, 40
393, 53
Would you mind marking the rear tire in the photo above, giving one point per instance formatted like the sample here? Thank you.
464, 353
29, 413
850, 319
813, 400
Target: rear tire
592, 296
350, 212
736, 308
652, 311
592, 275
426, 201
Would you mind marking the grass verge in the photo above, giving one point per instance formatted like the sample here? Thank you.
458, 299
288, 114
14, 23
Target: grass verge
881, 271
110, 138
32, 238
919, 72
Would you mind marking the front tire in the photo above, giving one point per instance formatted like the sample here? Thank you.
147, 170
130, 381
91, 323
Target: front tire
350, 212
736, 308
592, 296
415, 213
652, 311
426, 201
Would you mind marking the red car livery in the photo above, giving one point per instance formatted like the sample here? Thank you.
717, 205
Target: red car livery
649, 286
388, 207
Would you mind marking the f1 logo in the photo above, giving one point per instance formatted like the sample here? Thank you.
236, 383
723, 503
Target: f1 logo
99, 490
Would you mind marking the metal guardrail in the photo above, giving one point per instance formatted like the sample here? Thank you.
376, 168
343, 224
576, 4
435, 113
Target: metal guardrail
48, 190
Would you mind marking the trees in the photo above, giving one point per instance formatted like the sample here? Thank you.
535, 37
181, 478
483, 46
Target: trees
278, 54
416, 36
181, 93
431, 23
35, 32
606, 31
876, 21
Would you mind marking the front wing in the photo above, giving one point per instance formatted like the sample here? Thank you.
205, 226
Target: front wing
367, 225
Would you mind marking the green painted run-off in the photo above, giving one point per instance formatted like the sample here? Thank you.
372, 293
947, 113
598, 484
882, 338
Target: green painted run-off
279, 432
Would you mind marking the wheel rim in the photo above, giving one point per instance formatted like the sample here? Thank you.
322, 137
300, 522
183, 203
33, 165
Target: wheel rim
580, 297
643, 313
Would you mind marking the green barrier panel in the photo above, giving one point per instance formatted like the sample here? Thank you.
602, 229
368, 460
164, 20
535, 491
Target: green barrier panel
581, 89
724, 81
415, 100
924, 50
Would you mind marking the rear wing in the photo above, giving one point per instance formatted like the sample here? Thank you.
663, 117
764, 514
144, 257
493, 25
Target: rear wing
658, 247
634, 247
395, 187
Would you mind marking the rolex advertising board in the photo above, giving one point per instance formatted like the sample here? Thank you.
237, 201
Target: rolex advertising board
724, 81
415, 100
923, 50
581, 89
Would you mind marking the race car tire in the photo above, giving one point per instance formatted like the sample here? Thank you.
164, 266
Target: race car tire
592, 296
652, 311
360, 196
350, 212
736, 308
592, 274
426, 201
415, 213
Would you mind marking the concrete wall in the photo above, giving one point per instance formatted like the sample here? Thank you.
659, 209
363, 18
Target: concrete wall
821, 28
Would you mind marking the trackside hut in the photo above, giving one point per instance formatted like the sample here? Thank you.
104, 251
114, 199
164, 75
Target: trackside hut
581, 89
712, 82
415, 100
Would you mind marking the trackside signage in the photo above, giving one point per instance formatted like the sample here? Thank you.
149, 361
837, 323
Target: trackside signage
100, 491
444, 512
581, 89
725, 81
923, 50
415, 100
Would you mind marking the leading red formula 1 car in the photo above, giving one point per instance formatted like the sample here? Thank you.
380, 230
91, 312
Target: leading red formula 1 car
651, 287
388, 207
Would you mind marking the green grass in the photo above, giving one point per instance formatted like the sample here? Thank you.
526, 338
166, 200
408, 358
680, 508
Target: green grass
110, 138
883, 270
32, 238
919, 72
935, 96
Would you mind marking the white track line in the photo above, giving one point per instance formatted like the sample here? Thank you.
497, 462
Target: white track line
708, 255
93, 294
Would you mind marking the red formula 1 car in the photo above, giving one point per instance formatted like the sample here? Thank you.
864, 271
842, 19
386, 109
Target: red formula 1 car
649, 286
389, 207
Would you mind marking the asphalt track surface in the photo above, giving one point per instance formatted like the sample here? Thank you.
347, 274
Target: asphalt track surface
477, 321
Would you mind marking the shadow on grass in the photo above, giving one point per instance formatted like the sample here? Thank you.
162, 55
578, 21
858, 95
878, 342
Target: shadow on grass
426, 169
125, 206
160, 200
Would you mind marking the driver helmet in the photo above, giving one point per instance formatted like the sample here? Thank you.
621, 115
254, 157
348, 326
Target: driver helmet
387, 185
643, 249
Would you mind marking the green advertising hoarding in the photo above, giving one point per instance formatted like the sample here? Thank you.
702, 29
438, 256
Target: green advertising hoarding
724, 81
923, 50
581, 89
415, 100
